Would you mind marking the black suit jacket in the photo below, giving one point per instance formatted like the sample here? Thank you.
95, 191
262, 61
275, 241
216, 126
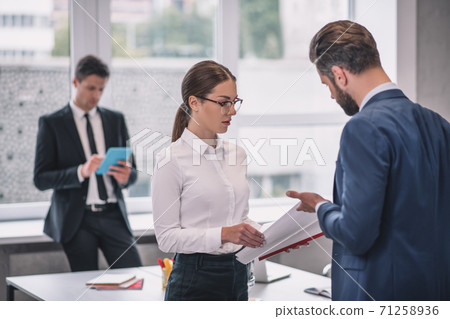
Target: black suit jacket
59, 152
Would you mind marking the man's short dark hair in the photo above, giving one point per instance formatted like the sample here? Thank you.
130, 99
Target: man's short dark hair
346, 44
91, 65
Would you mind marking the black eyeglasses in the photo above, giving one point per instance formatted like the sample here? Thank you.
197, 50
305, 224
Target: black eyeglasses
226, 105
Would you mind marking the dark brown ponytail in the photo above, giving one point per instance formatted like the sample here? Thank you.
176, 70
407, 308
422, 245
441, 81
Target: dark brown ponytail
181, 121
200, 80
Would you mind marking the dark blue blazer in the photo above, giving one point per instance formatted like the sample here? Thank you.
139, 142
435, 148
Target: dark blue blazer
58, 154
390, 220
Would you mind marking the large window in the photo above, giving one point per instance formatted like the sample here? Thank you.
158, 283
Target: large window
34, 80
285, 103
280, 85
274, 68
287, 118
154, 44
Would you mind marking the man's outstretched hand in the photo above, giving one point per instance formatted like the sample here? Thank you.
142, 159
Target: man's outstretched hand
308, 200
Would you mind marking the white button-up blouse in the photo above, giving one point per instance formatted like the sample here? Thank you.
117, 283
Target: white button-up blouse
197, 190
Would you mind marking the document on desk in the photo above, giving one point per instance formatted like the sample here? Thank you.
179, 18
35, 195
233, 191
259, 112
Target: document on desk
134, 284
324, 292
292, 229
111, 279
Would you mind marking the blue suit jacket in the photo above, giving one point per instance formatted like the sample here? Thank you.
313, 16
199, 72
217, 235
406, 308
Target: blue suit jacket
390, 220
58, 154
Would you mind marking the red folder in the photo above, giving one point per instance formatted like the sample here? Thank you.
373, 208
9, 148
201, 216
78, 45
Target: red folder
301, 242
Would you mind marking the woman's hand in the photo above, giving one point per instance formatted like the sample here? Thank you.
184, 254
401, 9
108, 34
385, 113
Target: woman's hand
297, 247
242, 234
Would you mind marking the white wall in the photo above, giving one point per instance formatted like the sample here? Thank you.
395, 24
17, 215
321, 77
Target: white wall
433, 67
423, 53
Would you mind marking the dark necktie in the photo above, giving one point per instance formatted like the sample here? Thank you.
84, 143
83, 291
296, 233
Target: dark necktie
100, 182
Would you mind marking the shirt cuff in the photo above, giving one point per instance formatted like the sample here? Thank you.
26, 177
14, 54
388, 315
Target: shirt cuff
320, 204
122, 185
252, 223
80, 177
213, 239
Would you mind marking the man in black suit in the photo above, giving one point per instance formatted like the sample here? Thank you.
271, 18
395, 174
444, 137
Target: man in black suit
87, 211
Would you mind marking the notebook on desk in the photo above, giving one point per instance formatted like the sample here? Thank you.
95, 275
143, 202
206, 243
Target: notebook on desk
266, 273
324, 292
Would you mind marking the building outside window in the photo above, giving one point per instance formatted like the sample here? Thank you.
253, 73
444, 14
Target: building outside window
285, 103
34, 80
154, 44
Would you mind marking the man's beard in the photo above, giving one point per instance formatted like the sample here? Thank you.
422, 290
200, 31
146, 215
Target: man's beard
347, 103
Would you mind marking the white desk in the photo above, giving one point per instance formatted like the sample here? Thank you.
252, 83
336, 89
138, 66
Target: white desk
71, 286
26, 236
291, 288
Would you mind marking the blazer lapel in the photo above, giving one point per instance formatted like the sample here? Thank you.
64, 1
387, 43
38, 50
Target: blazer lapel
69, 124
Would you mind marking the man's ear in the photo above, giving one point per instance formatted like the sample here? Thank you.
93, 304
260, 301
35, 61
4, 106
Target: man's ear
75, 82
340, 77
194, 103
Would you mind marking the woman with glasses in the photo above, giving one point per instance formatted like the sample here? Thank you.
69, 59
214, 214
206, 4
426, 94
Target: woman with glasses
200, 192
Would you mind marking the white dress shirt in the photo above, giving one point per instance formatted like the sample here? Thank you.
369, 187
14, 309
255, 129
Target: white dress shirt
99, 137
380, 88
196, 190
